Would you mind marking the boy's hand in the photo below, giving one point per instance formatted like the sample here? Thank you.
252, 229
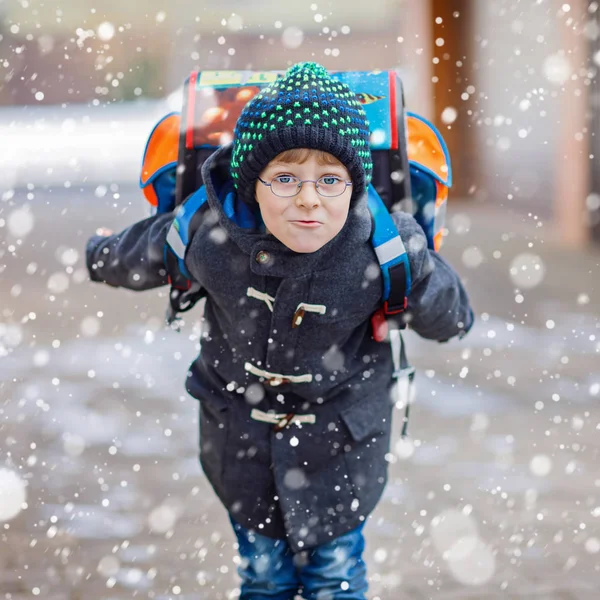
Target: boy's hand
92, 245
133, 258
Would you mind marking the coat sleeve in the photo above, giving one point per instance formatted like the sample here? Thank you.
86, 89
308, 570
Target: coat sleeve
438, 305
132, 259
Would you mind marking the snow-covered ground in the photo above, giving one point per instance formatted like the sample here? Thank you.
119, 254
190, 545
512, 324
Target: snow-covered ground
48, 145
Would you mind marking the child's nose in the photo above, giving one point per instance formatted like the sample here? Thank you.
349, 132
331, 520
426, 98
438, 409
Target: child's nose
308, 195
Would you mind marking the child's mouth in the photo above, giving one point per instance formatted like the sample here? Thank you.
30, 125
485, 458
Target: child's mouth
309, 224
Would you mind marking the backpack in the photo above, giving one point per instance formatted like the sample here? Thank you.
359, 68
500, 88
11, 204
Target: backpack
411, 172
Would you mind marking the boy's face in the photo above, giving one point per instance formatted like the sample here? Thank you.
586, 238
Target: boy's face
307, 221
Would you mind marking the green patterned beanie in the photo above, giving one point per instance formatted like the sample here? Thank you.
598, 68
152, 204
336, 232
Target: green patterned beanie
305, 108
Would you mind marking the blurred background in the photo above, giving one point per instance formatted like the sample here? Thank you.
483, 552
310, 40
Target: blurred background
512, 84
496, 493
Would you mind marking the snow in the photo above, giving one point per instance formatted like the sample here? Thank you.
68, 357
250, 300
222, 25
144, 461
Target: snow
13, 494
20, 221
404, 448
164, 517
67, 256
473, 257
592, 545
106, 31
58, 283
557, 68
295, 479
254, 394
540, 465
456, 538
90, 326
73, 444
108, 566
449, 115
475, 563
527, 270
504, 418
450, 526
292, 37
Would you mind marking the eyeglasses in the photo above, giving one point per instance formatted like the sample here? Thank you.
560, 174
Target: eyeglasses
287, 186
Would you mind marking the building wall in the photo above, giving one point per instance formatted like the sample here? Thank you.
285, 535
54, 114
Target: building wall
518, 77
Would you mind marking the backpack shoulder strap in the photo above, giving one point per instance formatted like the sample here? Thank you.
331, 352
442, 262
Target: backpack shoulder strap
397, 283
184, 293
391, 254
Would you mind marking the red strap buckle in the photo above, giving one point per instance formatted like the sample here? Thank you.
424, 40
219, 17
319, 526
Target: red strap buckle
388, 311
379, 325
379, 322
188, 284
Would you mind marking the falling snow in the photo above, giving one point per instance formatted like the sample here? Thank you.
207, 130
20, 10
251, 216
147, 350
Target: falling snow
13, 494
493, 491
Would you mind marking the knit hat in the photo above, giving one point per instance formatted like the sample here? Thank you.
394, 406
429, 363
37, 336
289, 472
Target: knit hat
305, 108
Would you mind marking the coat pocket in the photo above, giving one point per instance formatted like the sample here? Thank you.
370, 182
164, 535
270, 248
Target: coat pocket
366, 418
369, 423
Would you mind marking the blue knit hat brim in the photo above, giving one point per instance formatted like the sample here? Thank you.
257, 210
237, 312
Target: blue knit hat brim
311, 138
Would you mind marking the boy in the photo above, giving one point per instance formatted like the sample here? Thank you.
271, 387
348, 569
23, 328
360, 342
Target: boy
294, 392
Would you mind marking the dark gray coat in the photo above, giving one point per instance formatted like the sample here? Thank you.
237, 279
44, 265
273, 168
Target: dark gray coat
315, 481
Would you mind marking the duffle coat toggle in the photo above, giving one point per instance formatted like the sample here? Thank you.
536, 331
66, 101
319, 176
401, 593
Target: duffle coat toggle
268, 300
304, 308
281, 421
275, 379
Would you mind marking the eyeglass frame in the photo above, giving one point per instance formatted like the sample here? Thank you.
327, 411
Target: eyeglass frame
302, 181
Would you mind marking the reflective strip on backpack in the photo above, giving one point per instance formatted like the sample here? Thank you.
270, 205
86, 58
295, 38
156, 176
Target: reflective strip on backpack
440, 217
178, 235
175, 242
390, 250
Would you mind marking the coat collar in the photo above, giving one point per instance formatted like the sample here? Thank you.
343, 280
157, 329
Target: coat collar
252, 239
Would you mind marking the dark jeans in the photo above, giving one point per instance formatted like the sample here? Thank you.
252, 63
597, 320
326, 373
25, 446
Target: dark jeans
271, 571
